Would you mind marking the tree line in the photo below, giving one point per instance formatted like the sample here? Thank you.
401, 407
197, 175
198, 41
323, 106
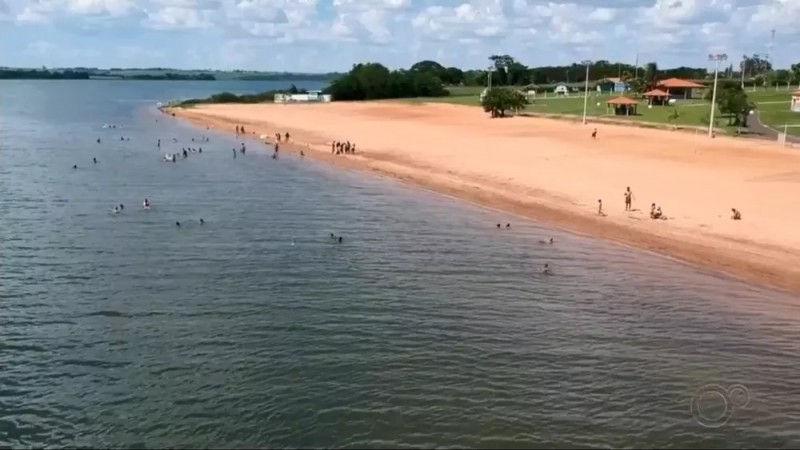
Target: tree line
373, 81
32, 74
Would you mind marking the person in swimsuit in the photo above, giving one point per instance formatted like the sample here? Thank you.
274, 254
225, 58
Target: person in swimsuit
74, 166
600, 208
594, 134
546, 269
736, 214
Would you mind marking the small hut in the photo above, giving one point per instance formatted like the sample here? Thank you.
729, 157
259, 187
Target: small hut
656, 97
623, 106
796, 101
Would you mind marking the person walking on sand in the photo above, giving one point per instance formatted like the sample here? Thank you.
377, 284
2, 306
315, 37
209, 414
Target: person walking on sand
287, 137
628, 198
600, 208
594, 134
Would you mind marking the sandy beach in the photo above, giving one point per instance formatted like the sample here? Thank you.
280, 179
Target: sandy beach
554, 172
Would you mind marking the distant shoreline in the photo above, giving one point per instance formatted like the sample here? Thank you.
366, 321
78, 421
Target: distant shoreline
551, 171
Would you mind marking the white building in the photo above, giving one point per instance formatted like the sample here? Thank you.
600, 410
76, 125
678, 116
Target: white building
561, 89
796, 101
309, 97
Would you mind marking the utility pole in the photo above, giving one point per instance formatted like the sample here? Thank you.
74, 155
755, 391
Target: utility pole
716, 58
586, 89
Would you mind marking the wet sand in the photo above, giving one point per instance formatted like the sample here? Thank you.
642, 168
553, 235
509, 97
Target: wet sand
554, 172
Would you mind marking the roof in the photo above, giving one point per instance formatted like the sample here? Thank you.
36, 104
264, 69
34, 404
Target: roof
622, 101
678, 83
655, 93
611, 79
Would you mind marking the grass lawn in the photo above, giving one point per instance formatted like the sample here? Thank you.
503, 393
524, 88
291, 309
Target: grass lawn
773, 108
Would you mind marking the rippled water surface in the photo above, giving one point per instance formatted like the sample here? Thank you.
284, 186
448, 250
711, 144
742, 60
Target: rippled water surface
427, 326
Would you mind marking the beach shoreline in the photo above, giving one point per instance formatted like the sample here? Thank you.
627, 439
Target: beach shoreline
553, 173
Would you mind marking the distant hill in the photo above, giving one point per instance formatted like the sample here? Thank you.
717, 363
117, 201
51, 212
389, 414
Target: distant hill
83, 73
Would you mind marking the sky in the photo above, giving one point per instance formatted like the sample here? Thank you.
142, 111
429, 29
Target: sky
332, 35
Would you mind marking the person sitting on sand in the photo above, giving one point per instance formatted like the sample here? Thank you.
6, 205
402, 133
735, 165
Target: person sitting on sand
658, 214
652, 210
736, 214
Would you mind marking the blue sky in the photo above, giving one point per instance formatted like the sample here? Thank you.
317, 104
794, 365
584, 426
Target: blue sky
323, 35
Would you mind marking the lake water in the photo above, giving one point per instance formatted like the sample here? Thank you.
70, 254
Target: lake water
426, 327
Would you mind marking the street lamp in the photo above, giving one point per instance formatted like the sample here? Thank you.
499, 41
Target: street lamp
716, 58
489, 72
587, 63
744, 67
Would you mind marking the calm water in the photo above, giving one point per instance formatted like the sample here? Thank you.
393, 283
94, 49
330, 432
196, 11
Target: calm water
425, 327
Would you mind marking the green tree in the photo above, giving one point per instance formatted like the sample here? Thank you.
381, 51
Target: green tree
732, 101
650, 76
498, 100
374, 81
795, 69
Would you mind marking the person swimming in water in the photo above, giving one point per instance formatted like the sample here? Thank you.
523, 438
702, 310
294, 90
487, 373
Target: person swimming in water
146, 204
340, 238
115, 210
177, 224
333, 236
546, 270
121, 206
547, 242
94, 160
74, 166
508, 225
202, 222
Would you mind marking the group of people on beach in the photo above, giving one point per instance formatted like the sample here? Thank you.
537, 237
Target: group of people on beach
655, 211
343, 148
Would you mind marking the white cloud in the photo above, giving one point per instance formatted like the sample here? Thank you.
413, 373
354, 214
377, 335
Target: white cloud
176, 18
463, 32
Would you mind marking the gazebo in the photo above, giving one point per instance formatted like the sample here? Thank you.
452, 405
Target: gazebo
678, 88
623, 106
656, 97
796, 101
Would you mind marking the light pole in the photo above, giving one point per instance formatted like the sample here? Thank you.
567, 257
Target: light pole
489, 79
744, 67
587, 63
716, 58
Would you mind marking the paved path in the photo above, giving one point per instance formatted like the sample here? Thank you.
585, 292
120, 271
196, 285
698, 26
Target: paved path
756, 127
